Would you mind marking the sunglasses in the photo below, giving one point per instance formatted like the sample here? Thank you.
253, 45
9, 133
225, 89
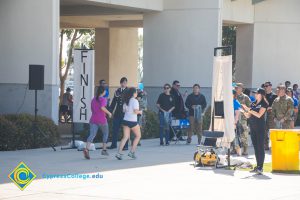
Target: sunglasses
267, 85
166, 88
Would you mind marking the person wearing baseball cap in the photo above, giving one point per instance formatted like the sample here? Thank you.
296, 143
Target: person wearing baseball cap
256, 113
243, 99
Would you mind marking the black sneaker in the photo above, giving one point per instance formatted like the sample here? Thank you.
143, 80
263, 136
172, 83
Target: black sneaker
112, 147
259, 172
167, 143
188, 141
161, 144
254, 170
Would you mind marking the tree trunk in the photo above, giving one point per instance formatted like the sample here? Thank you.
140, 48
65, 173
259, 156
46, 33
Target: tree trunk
63, 77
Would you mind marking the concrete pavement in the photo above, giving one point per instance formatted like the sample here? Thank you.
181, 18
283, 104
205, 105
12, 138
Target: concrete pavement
158, 173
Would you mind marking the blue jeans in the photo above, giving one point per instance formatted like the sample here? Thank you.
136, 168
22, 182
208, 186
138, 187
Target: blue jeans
164, 127
117, 123
94, 129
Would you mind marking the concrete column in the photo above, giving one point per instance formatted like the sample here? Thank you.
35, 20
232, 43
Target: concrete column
179, 44
29, 35
101, 55
244, 54
123, 55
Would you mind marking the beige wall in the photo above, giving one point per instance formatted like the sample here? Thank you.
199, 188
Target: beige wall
101, 55
123, 55
276, 42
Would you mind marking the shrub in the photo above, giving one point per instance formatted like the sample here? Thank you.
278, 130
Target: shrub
9, 134
25, 135
151, 127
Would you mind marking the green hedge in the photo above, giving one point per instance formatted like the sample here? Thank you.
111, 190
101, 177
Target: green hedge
17, 132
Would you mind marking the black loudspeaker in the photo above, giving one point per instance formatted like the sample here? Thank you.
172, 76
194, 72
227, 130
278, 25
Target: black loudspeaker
219, 109
36, 77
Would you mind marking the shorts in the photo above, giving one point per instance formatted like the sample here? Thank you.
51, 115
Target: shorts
129, 123
64, 108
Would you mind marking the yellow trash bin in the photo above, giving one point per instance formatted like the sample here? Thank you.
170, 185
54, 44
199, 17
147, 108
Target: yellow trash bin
285, 149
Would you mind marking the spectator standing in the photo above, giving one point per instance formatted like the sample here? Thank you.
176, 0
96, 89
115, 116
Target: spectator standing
296, 92
116, 107
270, 97
179, 112
282, 108
237, 127
66, 107
196, 103
166, 104
289, 92
243, 99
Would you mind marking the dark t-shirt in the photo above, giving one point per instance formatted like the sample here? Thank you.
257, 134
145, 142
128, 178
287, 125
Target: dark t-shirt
166, 102
270, 98
256, 107
192, 100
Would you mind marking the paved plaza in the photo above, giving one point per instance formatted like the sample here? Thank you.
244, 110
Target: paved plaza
158, 173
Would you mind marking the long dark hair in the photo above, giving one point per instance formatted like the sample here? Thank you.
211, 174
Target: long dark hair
128, 94
100, 91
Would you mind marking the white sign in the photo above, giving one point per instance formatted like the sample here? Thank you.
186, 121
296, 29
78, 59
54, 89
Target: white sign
83, 85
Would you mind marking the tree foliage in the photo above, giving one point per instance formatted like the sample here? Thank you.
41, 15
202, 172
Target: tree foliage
75, 38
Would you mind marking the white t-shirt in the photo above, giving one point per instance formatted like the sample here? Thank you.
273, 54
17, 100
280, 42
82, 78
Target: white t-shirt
129, 110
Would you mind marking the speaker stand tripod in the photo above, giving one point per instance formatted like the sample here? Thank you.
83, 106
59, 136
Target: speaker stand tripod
35, 127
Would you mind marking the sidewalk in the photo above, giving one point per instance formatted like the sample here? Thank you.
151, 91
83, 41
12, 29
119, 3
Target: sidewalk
158, 173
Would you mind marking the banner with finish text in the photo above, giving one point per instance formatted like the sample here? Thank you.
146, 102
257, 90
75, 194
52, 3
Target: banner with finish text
84, 65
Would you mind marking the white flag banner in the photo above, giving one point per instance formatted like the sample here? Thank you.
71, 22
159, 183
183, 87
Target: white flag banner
222, 91
83, 84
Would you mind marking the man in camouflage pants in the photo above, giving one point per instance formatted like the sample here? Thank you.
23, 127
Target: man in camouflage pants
282, 108
243, 99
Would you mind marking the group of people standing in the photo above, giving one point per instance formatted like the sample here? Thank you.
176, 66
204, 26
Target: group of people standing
126, 111
267, 110
171, 105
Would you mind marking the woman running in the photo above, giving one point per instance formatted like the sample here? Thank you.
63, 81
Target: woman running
130, 122
98, 120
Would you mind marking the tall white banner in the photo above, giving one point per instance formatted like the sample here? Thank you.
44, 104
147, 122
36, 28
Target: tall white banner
83, 84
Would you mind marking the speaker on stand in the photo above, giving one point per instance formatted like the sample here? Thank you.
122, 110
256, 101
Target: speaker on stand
36, 82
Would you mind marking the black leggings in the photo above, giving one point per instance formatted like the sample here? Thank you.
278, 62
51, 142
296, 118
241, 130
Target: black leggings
258, 139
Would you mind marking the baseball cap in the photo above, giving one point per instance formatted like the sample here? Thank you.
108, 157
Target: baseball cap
268, 83
260, 91
241, 85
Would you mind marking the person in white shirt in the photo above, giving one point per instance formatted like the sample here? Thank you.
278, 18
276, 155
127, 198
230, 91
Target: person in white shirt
130, 122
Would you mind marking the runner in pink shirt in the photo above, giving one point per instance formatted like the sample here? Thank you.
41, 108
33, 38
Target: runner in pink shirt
98, 120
